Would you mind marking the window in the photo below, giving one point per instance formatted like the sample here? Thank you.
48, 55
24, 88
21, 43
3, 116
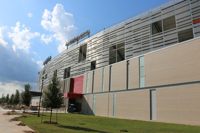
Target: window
141, 71
165, 24
93, 65
43, 72
169, 23
45, 76
185, 35
67, 73
116, 53
156, 27
82, 52
55, 72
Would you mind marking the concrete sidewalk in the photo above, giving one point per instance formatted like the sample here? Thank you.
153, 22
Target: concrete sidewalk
7, 126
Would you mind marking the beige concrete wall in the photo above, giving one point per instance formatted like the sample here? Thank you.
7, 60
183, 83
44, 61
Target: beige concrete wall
110, 104
102, 104
106, 78
179, 104
118, 76
98, 84
176, 64
133, 105
67, 85
133, 76
85, 83
89, 82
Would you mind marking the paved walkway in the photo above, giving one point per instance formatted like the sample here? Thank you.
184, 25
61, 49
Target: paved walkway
6, 126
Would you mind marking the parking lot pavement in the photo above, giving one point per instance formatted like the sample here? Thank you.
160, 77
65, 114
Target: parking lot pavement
7, 126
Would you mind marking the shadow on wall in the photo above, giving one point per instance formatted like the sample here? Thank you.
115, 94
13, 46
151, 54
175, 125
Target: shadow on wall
81, 129
86, 108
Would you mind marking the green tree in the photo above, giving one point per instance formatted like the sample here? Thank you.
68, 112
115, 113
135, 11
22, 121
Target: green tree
11, 100
17, 97
52, 97
26, 95
3, 99
7, 98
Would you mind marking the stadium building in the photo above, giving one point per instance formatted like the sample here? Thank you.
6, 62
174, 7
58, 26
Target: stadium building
145, 68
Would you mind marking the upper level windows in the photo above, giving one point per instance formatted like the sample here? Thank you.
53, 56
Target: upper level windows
163, 25
169, 23
185, 35
67, 73
82, 52
156, 27
55, 72
93, 65
116, 53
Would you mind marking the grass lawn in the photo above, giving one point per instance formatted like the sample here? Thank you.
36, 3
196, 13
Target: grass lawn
75, 123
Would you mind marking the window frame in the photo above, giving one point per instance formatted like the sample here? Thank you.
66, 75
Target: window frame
152, 31
187, 38
93, 63
82, 53
115, 50
165, 28
67, 72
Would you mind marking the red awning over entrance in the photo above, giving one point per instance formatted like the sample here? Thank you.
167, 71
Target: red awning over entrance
72, 95
76, 88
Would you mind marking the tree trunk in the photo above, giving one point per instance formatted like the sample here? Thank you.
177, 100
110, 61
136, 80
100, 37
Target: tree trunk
50, 115
57, 116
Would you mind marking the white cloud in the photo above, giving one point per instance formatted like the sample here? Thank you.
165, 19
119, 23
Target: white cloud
40, 64
60, 23
10, 87
46, 38
30, 15
2, 41
17, 67
21, 36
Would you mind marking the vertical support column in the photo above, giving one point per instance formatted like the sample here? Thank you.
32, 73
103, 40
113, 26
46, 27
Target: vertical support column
127, 74
114, 105
141, 72
153, 105
92, 81
102, 79
94, 104
86, 82
110, 78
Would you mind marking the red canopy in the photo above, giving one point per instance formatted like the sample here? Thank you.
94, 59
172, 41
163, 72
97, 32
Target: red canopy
72, 95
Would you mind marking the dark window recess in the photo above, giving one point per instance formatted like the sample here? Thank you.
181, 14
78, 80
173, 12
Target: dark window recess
185, 35
156, 27
82, 52
43, 72
55, 72
45, 76
67, 72
116, 53
169, 23
93, 65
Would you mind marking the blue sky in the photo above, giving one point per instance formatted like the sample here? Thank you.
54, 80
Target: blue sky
31, 30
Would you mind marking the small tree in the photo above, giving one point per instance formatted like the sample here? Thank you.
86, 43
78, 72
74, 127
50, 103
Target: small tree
7, 98
3, 99
26, 95
16, 98
52, 97
11, 100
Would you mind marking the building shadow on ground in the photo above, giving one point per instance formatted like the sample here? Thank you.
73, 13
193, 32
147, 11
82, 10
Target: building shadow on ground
81, 129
